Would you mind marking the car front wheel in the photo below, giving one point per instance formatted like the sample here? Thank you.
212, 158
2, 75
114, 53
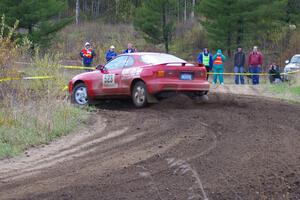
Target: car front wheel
139, 94
79, 95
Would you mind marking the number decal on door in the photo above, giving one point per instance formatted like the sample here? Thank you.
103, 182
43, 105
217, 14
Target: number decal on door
109, 81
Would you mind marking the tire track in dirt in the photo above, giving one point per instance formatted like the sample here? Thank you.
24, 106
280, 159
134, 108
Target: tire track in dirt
228, 146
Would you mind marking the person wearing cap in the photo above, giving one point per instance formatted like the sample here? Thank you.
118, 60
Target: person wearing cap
110, 54
239, 63
255, 61
87, 54
130, 49
205, 58
218, 67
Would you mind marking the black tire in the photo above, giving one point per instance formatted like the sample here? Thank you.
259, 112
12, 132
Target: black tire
195, 95
139, 94
79, 95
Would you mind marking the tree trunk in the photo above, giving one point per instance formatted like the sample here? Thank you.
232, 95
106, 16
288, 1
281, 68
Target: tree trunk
77, 12
117, 11
178, 11
193, 10
164, 27
185, 11
240, 31
228, 45
98, 8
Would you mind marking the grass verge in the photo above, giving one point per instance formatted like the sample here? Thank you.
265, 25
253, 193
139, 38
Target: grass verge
35, 124
33, 112
286, 91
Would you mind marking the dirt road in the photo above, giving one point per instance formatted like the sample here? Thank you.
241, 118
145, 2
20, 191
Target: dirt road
230, 148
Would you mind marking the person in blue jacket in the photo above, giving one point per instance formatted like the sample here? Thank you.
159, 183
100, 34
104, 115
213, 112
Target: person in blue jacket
218, 68
206, 59
110, 54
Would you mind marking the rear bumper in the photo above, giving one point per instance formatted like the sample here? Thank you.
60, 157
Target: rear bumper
177, 85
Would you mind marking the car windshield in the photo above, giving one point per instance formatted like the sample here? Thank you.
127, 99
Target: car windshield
295, 59
160, 59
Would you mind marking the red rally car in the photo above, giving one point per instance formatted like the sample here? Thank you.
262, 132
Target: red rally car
145, 77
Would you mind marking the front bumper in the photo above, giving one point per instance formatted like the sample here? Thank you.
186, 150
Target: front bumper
70, 87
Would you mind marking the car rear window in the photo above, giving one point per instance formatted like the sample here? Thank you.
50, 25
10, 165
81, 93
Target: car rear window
160, 59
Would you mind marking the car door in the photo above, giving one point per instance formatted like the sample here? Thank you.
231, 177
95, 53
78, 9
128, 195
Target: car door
128, 73
111, 80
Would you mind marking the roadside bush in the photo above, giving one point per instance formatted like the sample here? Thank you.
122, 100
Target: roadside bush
7, 49
32, 112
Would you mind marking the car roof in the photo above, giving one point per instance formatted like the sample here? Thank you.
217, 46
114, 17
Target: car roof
296, 55
144, 53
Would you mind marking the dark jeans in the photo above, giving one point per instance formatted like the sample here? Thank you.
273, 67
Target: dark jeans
275, 77
207, 70
254, 69
87, 65
239, 78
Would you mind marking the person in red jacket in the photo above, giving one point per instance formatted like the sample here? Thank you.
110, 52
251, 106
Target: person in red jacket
87, 54
255, 61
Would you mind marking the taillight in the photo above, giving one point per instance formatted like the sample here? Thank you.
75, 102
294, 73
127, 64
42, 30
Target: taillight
160, 73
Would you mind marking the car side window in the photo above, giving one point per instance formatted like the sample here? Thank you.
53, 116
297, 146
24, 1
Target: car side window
129, 62
117, 63
295, 59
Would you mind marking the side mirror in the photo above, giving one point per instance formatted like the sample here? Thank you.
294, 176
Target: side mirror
287, 62
100, 67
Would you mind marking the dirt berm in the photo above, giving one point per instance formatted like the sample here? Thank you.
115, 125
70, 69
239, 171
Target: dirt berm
233, 147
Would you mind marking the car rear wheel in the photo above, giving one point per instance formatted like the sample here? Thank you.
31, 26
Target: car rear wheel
139, 94
199, 97
79, 95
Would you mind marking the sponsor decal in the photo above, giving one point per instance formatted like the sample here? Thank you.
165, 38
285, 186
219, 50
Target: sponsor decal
109, 81
131, 73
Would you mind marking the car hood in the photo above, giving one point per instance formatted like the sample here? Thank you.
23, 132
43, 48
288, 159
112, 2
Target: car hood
85, 75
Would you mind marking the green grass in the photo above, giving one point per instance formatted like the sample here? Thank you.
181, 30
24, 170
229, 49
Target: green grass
36, 126
286, 91
295, 90
33, 112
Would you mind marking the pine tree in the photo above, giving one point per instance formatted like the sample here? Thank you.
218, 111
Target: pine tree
230, 23
292, 12
156, 19
36, 16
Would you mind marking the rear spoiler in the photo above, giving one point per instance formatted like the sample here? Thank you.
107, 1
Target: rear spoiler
183, 64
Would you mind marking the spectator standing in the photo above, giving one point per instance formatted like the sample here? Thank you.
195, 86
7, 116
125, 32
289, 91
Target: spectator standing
239, 63
206, 59
130, 49
255, 62
218, 67
87, 54
110, 54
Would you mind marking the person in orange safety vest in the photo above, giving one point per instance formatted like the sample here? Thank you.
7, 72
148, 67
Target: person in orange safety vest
218, 67
87, 54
